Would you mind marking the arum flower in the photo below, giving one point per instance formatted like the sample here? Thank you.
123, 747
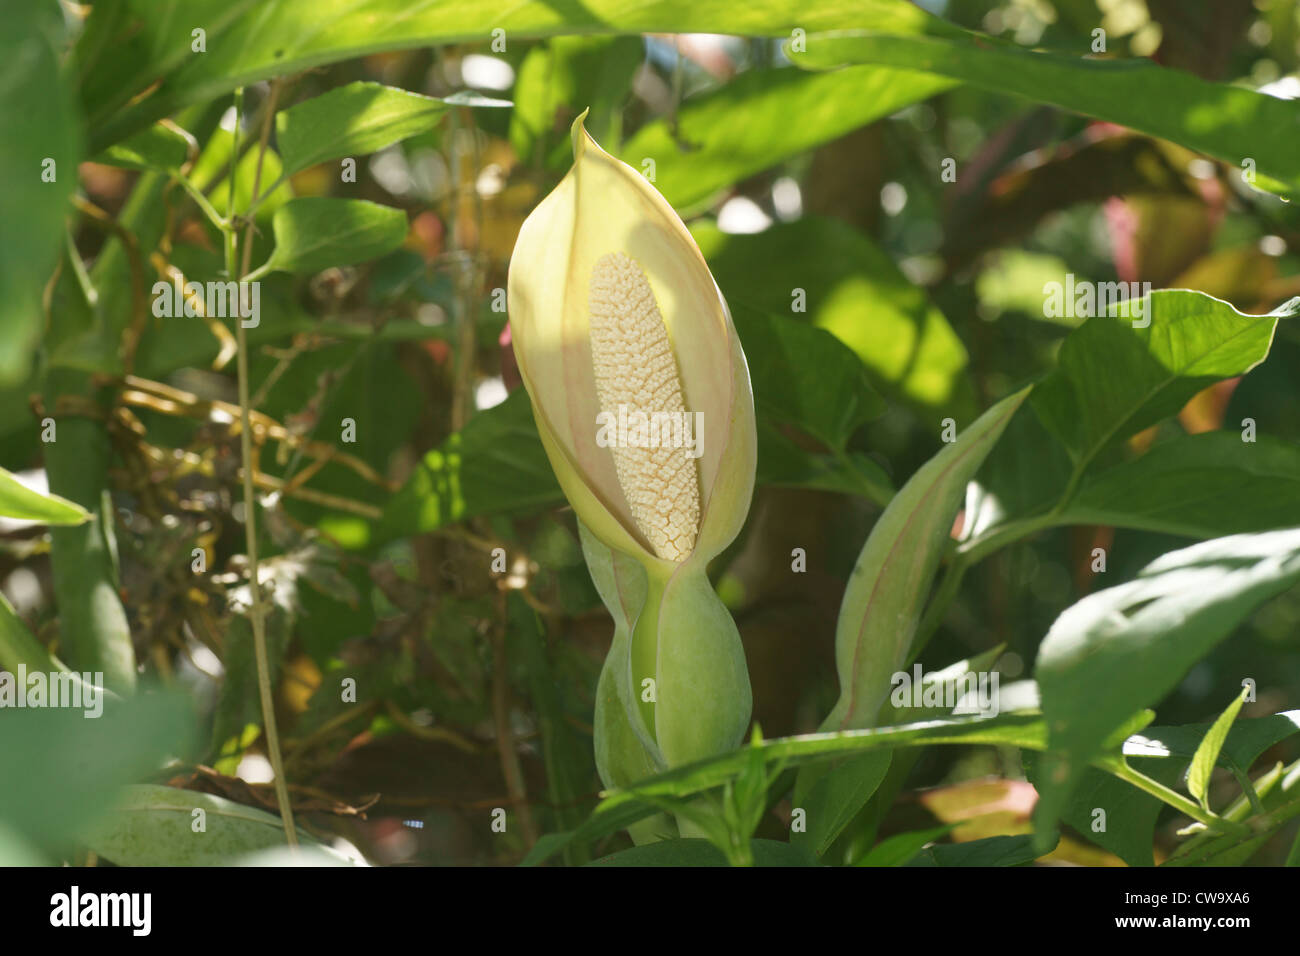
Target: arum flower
642, 398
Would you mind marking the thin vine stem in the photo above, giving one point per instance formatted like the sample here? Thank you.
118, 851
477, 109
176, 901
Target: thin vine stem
258, 609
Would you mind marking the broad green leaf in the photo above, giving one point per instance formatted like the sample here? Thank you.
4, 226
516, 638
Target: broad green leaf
160, 146
731, 133
214, 160
1130, 815
891, 580
694, 852
1113, 379
1245, 741
19, 501
62, 767
1202, 486
495, 464
352, 120
1124, 648
805, 377
315, 233
901, 847
156, 826
835, 796
1024, 476
852, 289
302, 855
560, 78
784, 462
40, 127
991, 851
251, 40
1207, 754
1227, 122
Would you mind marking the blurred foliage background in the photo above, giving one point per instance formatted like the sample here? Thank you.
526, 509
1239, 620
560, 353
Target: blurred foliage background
476, 672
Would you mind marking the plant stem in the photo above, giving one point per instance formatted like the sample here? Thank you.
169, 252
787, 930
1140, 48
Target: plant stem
1123, 771
258, 609
1248, 789
201, 201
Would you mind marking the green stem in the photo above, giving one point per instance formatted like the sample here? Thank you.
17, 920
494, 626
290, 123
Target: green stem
1173, 798
252, 206
202, 202
977, 548
1248, 789
79, 271
258, 609
259, 272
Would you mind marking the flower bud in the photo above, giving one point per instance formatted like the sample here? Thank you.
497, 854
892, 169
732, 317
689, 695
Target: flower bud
642, 399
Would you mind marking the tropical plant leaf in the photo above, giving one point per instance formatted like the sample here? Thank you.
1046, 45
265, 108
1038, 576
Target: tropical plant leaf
315, 233
163, 826
1212, 118
19, 501
1124, 648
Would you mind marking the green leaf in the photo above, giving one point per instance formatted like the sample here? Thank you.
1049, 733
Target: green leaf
161, 147
1113, 379
1124, 648
591, 72
1278, 792
19, 647
1207, 754
1227, 122
39, 125
315, 233
835, 796
901, 847
1131, 815
157, 826
891, 580
991, 851
62, 767
15, 851
742, 128
694, 852
1245, 741
1162, 753
623, 807
19, 501
854, 291
215, 159
804, 376
352, 120
1202, 486
249, 41
784, 462
495, 464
